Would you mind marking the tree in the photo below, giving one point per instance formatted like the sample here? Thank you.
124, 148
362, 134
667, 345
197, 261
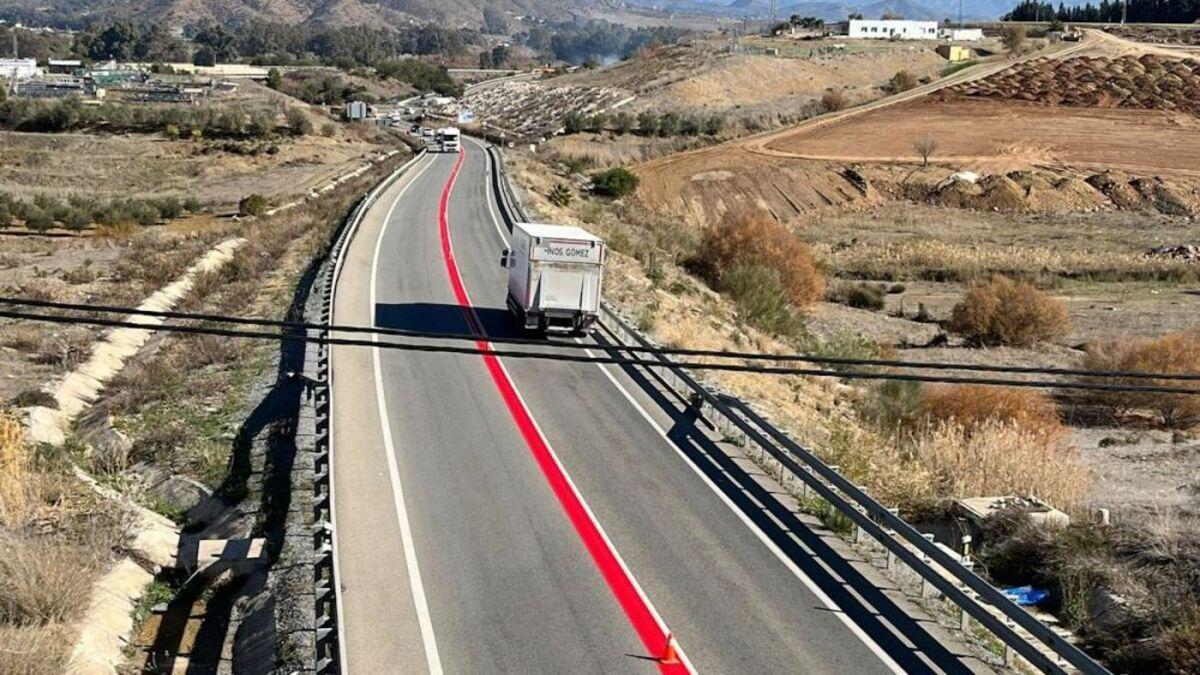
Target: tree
219, 41
494, 21
713, 124
274, 79
1013, 39
855, 16
616, 182
574, 123
892, 16
925, 147
205, 56
648, 123
623, 123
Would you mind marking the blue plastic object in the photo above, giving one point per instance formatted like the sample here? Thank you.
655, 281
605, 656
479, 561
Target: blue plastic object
1026, 596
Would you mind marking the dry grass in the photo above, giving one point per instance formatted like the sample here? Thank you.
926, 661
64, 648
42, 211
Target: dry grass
757, 240
1001, 311
933, 260
1175, 353
33, 650
1000, 458
14, 474
43, 581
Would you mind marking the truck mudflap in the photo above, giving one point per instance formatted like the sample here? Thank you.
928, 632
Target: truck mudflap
552, 320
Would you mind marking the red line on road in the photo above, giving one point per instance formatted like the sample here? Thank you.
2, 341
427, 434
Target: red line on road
651, 632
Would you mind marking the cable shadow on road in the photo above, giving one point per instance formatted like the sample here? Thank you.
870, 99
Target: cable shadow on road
792, 536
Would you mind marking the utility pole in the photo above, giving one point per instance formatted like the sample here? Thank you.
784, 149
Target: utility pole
1124, 11
772, 28
960, 13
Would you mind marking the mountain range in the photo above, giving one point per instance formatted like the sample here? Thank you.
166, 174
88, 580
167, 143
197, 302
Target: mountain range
835, 10
77, 13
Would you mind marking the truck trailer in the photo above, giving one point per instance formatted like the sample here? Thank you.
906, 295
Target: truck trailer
554, 277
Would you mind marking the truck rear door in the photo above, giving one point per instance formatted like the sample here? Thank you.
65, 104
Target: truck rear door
562, 287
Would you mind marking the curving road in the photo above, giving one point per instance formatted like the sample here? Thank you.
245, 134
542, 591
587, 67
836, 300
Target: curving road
535, 516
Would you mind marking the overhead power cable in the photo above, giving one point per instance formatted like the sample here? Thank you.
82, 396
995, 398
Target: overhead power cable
669, 351
575, 358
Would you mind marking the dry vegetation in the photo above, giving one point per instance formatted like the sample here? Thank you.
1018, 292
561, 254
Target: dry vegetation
1001, 311
53, 541
1174, 353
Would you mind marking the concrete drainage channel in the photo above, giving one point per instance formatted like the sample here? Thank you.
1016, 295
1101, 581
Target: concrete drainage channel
801, 473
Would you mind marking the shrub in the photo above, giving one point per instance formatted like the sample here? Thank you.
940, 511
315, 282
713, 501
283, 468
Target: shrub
252, 205
38, 220
833, 100
860, 295
713, 124
1001, 311
973, 406
893, 405
42, 581
145, 213
757, 240
623, 123
761, 299
328, 129
298, 123
902, 81
648, 124
560, 195
615, 182
192, 205
1174, 353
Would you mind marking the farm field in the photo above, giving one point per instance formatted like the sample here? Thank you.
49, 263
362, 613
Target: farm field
991, 135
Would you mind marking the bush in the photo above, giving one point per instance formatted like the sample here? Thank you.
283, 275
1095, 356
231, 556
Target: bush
561, 195
859, 295
1174, 353
42, 581
973, 406
893, 405
757, 240
902, 81
252, 205
713, 124
761, 299
38, 220
1001, 311
298, 123
833, 100
616, 182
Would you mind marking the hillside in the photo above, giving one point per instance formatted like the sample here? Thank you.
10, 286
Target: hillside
76, 13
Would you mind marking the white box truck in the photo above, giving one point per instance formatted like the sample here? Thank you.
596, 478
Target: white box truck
448, 140
554, 277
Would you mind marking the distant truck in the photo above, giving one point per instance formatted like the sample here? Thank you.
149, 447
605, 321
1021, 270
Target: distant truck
448, 140
554, 277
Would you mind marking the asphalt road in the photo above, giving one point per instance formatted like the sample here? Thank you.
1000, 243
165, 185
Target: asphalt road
537, 516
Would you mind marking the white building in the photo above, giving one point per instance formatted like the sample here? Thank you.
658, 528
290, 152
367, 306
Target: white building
886, 29
19, 69
961, 34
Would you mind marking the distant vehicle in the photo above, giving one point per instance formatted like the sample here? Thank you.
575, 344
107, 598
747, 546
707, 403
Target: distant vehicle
448, 140
427, 133
415, 130
554, 276
356, 110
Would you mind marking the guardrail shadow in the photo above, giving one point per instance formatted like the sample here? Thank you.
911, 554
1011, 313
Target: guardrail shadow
859, 598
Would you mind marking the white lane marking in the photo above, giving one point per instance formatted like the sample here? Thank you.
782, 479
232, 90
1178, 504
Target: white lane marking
492, 196
424, 620
563, 471
337, 569
762, 536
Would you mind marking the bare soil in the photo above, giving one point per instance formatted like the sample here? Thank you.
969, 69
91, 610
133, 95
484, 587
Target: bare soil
1001, 136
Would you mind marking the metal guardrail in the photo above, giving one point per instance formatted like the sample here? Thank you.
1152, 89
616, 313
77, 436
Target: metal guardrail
977, 598
329, 657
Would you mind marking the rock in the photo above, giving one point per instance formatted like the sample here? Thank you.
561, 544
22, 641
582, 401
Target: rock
182, 493
1190, 252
